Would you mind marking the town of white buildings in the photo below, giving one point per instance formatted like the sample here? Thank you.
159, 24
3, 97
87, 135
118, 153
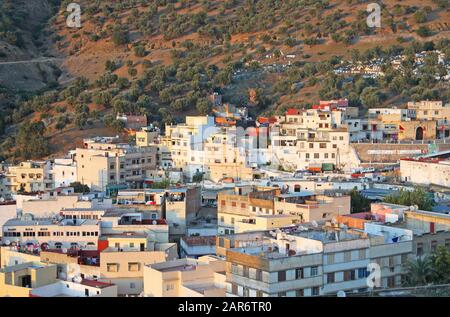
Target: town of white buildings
227, 205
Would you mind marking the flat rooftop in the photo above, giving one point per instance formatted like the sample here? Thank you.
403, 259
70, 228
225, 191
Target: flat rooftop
49, 222
199, 241
299, 194
325, 236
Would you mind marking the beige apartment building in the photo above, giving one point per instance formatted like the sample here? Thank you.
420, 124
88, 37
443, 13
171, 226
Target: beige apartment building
126, 268
39, 279
430, 110
308, 206
185, 143
177, 205
314, 261
249, 209
318, 147
226, 155
56, 234
147, 136
202, 277
104, 162
29, 177
240, 204
305, 139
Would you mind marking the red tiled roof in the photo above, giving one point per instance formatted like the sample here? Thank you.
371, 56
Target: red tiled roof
93, 283
292, 112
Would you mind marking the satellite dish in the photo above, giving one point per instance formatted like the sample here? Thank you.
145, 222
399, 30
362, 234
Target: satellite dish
341, 294
64, 250
7, 242
77, 279
62, 275
314, 224
154, 222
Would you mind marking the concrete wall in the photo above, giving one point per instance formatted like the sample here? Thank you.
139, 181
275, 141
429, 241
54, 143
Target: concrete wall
6, 212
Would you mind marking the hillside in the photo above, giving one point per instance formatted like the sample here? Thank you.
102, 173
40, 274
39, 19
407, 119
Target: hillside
164, 57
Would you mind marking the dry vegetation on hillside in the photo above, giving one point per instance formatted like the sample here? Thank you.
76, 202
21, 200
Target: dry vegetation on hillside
163, 58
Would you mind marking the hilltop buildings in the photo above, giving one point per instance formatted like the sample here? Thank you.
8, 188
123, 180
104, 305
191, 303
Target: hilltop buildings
228, 206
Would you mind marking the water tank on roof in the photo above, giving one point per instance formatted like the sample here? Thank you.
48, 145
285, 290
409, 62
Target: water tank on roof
27, 217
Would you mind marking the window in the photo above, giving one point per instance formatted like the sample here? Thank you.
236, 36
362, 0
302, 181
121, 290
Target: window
132, 285
281, 294
349, 275
299, 273
299, 293
315, 291
112, 267
258, 275
330, 258
233, 204
330, 278
391, 281
362, 254
419, 250
362, 272
234, 289
404, 258
391, 261
222, 219
433, 246
447, 244
131, 245
281, 276
245, 271
314, 270
316, 155
133, 267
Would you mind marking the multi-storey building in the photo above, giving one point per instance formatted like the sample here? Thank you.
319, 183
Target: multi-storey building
202, 277
104, 161
147, 136
240, 204
56, 234
29, 177
64, 172
314, 261
305, 139
39, 279
185, 142
177, 205
226, 155
248, 209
